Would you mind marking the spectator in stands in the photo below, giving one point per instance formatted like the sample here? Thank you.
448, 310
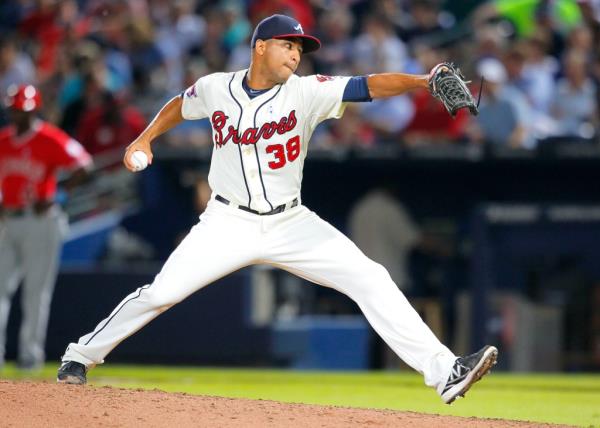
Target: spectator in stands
537, 87
90, 60
238, 28
590, 11
389, 117
180, 31
190, 133
351, 130
16, 67
427, 21
504, 112
89, 95
490, 42
431, 123
81, 61
378, 48
211, 50
336, 53
540, 69
120, 39
595, 75
580, 39
48, 25
106, 124
145, 53
514, 63
575, 107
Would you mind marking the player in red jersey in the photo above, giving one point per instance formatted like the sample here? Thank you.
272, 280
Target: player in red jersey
31, 224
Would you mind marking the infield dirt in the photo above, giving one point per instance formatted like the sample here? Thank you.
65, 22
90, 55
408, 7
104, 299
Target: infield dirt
39, 404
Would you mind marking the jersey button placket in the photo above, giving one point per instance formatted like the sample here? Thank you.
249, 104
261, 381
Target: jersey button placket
251, 165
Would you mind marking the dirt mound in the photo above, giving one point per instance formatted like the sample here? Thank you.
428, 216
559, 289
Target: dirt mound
38, 404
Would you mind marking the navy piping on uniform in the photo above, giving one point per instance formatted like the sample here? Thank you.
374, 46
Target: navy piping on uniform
117, 311
256, 150
239, 148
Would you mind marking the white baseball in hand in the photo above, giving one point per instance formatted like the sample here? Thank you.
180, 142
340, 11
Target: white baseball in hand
139, 160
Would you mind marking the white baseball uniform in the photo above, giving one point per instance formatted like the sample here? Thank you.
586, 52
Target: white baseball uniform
259, 149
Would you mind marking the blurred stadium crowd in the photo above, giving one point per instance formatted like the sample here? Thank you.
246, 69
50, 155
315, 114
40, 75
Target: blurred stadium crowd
106, 66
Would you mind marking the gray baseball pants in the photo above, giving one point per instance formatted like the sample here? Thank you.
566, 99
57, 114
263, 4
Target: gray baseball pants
29, 253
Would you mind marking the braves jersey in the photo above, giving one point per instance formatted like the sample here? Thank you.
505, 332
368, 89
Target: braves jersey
29, 163
260, 144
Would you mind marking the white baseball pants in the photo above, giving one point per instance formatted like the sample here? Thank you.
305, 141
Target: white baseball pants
297, 240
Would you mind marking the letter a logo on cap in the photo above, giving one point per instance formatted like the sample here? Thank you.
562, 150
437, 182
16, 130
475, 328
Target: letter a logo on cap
284, 27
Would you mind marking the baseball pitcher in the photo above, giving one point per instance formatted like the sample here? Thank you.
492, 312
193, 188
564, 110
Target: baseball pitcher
262, 120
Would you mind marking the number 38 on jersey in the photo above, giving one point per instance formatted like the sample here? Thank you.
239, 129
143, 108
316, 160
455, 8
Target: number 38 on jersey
283, 154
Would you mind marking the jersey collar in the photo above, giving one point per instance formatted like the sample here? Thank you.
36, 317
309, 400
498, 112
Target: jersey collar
240, 94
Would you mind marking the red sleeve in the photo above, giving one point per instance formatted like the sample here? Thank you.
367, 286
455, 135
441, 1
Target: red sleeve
65, 151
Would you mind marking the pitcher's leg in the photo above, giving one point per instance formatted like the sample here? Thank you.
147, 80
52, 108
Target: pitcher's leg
41, 250
323, 255
215, 247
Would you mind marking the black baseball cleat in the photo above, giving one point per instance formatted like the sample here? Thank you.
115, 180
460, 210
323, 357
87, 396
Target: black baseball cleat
468, 370
72, 372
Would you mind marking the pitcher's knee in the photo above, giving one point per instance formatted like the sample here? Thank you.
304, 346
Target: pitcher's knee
159, 298
378, 273
372, 276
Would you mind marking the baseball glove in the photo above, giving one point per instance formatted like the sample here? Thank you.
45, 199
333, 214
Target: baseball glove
447, 84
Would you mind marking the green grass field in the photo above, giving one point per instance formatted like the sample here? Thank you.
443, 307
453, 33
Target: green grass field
566, 399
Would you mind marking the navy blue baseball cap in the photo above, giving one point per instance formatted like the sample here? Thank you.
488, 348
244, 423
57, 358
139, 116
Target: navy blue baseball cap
284, 27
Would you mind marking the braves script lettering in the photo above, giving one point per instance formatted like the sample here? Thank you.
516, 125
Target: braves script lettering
250, 135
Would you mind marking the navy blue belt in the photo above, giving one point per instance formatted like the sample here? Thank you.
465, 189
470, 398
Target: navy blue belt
278, 209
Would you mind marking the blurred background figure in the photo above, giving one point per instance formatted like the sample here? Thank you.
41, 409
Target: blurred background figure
32, 226
431, 124
336, 54
504, 116
384, 230
350, 131
378, 48
106, 123
424, 21
16, 67
574, 106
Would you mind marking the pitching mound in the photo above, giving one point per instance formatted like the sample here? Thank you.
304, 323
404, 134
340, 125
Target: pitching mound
36, 404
